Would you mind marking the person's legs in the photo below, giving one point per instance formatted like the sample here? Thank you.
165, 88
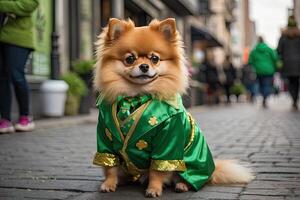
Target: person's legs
252, 88
5, 90
260, 80
260, 84
5, 94
227, 92
265, 85
293, 88
297, 90
268, 82
16, 60
250, 92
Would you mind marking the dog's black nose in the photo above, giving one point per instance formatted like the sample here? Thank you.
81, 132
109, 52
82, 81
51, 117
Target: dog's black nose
144, 68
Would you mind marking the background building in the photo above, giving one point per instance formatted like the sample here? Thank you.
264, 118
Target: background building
297, 11
220, 24
243, 33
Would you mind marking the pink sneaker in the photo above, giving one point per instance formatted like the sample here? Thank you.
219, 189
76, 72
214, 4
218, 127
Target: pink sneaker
6, 126
24, 124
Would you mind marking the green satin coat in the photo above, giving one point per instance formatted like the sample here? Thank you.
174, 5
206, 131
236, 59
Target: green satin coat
163, 136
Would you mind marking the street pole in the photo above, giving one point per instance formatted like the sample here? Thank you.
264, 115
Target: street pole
118, 8
55, 67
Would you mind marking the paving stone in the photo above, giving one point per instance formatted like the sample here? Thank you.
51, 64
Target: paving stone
271, 192
287, 170
273, 184
220, 189
213, 195
258, 197
68, 185
12, 193
279, 177
293, 198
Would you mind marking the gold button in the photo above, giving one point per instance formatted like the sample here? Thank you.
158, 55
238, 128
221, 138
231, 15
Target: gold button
141, 144
152, 121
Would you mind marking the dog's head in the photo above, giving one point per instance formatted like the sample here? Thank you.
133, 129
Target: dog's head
140, 60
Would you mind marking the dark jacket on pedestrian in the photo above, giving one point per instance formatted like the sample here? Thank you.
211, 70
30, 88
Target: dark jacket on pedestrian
248, 75
211, 75
230, 73
289, 51
263, 59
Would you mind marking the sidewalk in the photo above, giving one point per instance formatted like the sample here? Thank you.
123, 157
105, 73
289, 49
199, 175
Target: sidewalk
54, 162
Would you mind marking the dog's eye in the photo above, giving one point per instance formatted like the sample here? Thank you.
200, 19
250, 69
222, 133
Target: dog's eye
154, 59
130, 59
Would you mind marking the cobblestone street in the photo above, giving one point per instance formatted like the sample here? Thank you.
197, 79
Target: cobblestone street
55, 162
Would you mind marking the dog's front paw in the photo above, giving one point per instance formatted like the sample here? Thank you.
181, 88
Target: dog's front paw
108, 186
153, 192
181, 187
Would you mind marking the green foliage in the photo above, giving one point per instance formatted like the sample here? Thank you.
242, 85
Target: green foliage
279, 64
238, 89
82, 67
77, 87
72, 105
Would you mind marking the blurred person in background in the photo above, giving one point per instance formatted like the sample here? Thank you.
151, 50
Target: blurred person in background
16, 43
211, 78
289, 52
230, 76
277, 84
263, 59
249, 80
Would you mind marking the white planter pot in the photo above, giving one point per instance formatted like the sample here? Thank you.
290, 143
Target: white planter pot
54, 97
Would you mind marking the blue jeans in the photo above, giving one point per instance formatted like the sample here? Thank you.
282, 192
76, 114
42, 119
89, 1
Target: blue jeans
12, 71
265, 85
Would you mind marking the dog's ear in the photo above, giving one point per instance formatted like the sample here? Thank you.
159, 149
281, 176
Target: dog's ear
117, 27
168, 28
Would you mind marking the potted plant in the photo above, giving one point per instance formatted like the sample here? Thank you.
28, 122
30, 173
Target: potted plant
77, 89
84, 68
53, 98
237, 89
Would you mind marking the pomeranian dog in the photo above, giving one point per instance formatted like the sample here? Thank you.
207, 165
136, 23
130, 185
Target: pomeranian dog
144, 133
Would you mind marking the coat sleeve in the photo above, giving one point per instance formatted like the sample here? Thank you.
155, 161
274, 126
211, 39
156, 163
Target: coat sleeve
18, 7
233, 71
105, 155
168, 146
250, 59
280, 46
275, 59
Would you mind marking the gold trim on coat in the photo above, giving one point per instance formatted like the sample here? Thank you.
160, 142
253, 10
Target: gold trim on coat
168, 165
131, 116
105, 159
132, 169
114, 114
108, 134
192, 134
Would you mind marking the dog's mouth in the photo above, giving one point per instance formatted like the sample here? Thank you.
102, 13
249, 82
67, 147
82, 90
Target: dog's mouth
143, 76
142, 79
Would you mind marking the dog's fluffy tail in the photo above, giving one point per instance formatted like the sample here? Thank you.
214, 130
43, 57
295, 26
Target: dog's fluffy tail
229, 172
